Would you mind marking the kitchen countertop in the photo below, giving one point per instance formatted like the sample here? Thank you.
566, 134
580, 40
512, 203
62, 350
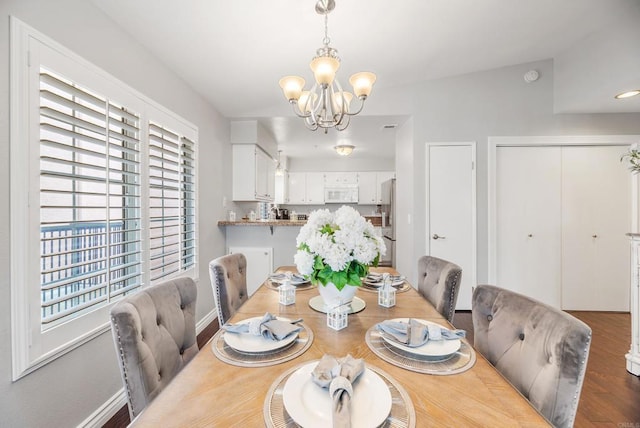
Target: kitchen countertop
262, 223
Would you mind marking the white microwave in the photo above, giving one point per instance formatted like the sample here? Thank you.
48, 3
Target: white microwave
341, 195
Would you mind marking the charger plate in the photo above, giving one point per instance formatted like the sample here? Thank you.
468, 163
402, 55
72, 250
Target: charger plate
402, 414
261, 359
458, 362
405, 286
273, 285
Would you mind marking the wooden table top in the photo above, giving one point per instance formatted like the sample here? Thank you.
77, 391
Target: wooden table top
211, 393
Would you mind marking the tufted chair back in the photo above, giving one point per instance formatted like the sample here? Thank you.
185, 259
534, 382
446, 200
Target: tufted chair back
229, 281
541, 350
439, 282
155, 336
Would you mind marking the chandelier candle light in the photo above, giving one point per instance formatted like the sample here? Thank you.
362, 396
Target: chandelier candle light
326, 105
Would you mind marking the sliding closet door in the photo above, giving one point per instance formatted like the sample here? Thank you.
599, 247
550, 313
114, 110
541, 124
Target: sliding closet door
595, 217
528, 235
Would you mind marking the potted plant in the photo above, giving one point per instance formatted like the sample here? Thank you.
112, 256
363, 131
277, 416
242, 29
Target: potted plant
335, 251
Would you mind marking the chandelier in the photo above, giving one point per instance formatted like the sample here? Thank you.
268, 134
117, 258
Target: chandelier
326, 105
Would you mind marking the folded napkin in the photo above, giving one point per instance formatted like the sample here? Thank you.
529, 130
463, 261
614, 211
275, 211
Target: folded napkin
413, 333
268, 327
338, 374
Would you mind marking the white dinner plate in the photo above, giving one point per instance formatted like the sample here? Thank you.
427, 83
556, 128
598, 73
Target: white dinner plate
310, 405
433, 348
249, 343
295, 280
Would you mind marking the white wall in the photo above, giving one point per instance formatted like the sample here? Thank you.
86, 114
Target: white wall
65, 392
473, 107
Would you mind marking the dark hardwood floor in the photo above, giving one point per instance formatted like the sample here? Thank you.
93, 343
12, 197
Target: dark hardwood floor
610, 395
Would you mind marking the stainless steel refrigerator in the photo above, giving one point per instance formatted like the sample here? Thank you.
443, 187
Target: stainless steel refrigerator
388, 209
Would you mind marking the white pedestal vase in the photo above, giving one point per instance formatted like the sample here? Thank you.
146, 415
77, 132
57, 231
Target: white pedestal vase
334, 297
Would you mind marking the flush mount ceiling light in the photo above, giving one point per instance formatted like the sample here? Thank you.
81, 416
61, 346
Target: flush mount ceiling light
628, 94
326, 105
279, 169
344, 149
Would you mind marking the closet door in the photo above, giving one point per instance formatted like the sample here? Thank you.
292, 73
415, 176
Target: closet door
595, 217
528, 235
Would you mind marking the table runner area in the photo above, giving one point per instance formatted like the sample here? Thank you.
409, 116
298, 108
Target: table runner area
230, 356
402, 414
459, 362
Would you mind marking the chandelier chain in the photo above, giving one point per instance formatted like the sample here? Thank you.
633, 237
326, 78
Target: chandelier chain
326, 39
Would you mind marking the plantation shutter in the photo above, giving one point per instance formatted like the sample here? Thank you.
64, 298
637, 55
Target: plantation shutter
89, 199
171, 202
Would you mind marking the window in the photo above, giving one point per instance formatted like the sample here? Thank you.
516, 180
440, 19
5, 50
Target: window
102, 197
89, 200
171, 202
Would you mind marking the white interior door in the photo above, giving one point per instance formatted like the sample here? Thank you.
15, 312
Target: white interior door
451, 202
596, 209
528, 226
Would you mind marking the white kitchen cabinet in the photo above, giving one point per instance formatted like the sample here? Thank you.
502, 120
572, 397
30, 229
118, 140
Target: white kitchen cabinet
306, 188
315, 188
253, 174
367, 192
282, 188
370, 186
561, 217
340, 179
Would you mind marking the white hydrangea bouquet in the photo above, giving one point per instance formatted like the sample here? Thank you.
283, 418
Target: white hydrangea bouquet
337, 247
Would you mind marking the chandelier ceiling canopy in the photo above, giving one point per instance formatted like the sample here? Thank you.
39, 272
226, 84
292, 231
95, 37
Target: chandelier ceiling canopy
326, 105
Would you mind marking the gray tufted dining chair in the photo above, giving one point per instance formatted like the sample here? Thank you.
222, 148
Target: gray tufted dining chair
229, 281
541, 350
439, 283
154, 331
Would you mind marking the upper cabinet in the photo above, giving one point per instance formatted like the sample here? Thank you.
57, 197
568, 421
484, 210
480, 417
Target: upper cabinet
253, 174
306, 188
340, 179
253, 165
369, 186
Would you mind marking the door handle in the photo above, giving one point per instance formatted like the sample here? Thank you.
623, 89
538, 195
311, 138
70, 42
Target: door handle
436, 236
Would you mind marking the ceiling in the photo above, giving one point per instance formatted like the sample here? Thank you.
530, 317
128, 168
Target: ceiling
234, 52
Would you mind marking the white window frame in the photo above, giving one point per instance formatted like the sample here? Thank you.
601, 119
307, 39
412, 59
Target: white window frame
32, 347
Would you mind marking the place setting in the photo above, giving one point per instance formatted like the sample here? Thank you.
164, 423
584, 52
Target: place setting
337, 392
374, 281
421, 346
277, 279
261, 341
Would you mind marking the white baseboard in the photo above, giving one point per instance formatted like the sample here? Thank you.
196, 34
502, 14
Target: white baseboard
105, 412
206, 320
